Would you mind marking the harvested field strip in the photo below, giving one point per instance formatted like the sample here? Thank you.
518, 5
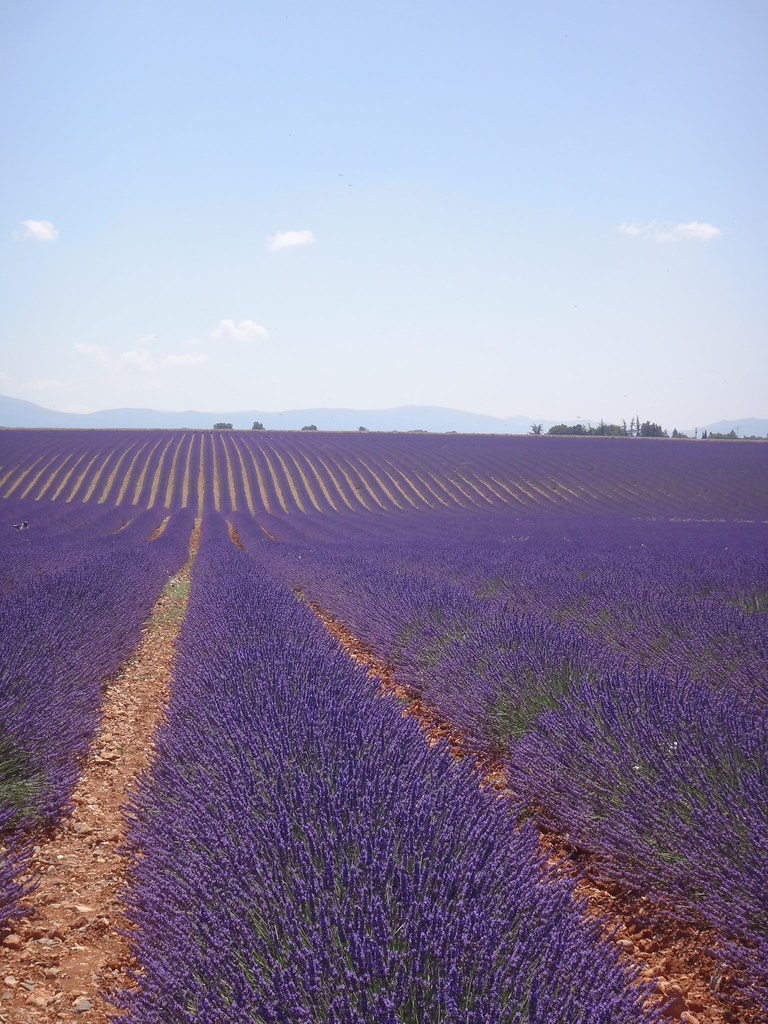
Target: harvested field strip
37, 476
97, 476
564, 487
318, 482
53, 475
676, 958
421, 477
201, 477
65, 480
22, 476
143, 473
453, 477
497, 493
128, 475
230, 474
305, 483
71, 948
290, 481
158, 472
386, 472
187, 474
79, 482
515, 490
113, 475
275, 481
172, 474
339, 489
342, 482
260, 481
244, 474
454, 500
547, 497
359, 484
407, 481
474, 486
8, 473
380, 484
215, 474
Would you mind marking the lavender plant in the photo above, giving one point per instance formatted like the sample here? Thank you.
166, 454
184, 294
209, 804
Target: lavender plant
61, 637
305, 857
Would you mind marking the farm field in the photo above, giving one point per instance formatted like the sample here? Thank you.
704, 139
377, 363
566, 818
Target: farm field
585, 620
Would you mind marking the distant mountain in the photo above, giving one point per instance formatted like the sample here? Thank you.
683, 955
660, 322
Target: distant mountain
17, 413
14, 412
748, 427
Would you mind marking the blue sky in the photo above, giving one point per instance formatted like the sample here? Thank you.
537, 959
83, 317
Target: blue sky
554, 209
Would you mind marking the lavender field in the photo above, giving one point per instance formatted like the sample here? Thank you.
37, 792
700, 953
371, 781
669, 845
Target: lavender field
589, 614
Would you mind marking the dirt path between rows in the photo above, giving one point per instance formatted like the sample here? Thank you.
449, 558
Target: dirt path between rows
672, 955
56, 962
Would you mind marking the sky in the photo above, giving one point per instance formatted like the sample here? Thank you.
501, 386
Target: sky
554, 208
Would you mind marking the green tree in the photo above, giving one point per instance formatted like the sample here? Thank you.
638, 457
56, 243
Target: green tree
649, 429
257, 425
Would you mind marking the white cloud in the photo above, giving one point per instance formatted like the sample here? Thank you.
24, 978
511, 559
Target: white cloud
289, 239
192, 342
95, 351
695, 231
246, 330
147, 339
185, 359
40, 230
141, 360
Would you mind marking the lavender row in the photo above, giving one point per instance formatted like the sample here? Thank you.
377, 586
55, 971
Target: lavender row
325, 474
61, 636
669, 784
51, 537
306, 858
685, 598
637, 765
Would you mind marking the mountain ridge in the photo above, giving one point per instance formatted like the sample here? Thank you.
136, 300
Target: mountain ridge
18, 413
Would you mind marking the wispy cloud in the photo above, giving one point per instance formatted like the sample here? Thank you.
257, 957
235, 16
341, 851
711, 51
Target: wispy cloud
141, 360
289, 239
695, 231
146, 339
185, 359
246, 330
94, 351
45, 383
40, 230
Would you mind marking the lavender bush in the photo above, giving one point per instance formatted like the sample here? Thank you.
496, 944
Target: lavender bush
305, 857
61, 636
